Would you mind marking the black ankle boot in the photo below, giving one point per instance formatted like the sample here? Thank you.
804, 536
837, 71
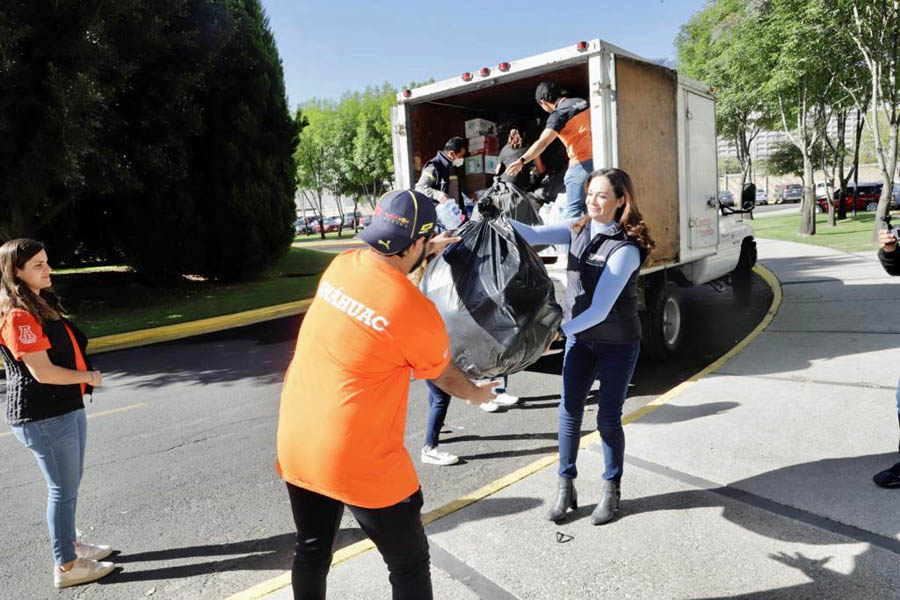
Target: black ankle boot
608, 505
566, 498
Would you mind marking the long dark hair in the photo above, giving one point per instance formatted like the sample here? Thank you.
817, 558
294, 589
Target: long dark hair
628, 216
13, 291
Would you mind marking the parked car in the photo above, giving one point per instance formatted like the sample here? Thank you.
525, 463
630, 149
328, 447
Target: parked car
761, 197
331, 224
866, 200
788, 192
726, 198
365, 221
305, 226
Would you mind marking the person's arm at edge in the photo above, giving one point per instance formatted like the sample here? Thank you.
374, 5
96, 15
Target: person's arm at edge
887, 254
536, 235
44, 371
454, 382
426, 180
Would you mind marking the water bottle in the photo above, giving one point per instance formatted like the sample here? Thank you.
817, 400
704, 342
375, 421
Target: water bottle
449, 215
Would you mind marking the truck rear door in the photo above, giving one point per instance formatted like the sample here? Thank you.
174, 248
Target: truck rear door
700, 153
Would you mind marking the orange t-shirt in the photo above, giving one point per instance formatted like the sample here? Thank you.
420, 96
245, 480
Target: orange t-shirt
22, 333
343, 406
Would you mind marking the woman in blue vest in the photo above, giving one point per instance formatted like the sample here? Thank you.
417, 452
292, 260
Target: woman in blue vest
602, 329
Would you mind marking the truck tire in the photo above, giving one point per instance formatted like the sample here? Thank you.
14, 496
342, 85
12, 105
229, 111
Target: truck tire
742, 275
663, 321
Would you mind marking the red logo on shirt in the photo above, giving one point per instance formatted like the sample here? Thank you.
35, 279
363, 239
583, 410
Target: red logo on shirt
26, 336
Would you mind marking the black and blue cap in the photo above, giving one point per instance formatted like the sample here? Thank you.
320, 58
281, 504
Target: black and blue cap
401, 217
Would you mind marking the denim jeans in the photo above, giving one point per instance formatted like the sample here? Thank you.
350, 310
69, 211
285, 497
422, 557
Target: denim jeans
583, 363
395, 530
574, 180
58, 444
438, 402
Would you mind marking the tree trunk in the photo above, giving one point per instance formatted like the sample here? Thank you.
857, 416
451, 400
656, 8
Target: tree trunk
808, 206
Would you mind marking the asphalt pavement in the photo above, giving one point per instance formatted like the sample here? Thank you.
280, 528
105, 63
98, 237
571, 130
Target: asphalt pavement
180, 474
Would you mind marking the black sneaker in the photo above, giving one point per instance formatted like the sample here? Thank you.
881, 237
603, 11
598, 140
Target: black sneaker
889, 478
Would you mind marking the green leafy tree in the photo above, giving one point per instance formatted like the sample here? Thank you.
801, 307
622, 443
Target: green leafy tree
315, 173
52, 108
721, 46
795, 31
373, 148
243, 174
877, 35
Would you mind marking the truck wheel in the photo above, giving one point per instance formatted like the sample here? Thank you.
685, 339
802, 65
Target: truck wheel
663, 321
741, 277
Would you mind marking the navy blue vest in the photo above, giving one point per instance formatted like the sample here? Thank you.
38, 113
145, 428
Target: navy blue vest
587, 259
443, 169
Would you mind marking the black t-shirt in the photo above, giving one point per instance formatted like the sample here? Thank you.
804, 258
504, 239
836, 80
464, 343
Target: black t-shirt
564, 111
508, 156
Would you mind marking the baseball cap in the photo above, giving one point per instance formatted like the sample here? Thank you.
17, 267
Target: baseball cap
400, 217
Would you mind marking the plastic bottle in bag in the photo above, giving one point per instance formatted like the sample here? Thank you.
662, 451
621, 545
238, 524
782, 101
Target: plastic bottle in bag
449, 215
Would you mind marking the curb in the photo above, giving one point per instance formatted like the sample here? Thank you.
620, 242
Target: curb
270, 586
166, 333
177, 331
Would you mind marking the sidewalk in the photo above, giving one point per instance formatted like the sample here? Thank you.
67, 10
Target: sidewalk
755, 482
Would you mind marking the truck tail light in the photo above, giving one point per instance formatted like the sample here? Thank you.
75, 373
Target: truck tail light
407, 93
581, 46
504, 66
467, 76
484, 72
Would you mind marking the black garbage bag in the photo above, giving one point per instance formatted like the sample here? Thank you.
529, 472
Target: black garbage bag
511, 202
495, 297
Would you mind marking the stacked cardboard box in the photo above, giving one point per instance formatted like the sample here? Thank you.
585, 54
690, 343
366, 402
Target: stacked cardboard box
476, 127
484, 144
481, 163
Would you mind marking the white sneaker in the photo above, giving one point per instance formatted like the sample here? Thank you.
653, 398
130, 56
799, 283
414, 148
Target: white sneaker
92, 551
505, 399
436, 456
83, 571
489, 406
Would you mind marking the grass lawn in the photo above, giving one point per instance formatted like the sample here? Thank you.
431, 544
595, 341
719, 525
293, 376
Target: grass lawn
347, 234
850, 235
103, 302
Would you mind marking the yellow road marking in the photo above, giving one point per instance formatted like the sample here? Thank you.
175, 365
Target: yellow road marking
102, 413
344, 554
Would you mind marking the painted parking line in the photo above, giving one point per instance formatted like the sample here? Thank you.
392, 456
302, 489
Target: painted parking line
344, 554
102, 413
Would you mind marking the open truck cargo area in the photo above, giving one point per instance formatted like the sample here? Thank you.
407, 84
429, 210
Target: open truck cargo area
646, 119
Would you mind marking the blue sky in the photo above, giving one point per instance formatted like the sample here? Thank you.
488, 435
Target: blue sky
331, 47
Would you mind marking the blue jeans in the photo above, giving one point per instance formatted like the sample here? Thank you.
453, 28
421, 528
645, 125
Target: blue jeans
439, 402
575, 177
583, 363
58, 444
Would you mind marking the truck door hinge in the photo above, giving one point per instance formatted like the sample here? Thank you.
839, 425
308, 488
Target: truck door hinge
400, 129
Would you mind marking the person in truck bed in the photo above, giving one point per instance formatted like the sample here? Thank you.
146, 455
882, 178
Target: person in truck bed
570, 121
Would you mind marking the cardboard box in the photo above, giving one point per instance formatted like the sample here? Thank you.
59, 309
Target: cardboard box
484, 144
476, 127
490, 163
473, 183
475, 164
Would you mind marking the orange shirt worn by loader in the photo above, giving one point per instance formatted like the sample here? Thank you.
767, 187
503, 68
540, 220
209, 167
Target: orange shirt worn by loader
343, 407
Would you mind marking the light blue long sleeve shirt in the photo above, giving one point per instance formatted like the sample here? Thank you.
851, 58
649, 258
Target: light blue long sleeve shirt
620, 265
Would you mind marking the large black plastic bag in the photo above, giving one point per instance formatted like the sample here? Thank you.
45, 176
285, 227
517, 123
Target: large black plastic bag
511, 201
495, 297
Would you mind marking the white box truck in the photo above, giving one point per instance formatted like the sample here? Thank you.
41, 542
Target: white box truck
647, 119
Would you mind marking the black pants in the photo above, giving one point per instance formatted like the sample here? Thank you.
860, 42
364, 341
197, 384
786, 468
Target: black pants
396, 531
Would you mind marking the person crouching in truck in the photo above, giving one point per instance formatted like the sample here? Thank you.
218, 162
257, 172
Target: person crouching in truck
603, 333
440, 179
570, 121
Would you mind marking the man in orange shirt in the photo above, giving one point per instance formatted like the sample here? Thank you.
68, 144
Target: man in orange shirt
343, 408
570, 121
